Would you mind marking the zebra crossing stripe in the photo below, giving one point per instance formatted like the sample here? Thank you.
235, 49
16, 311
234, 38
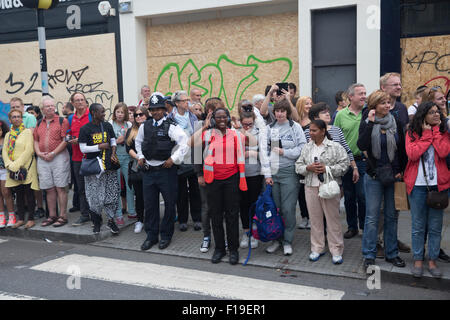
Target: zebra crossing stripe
183, 279
15, 296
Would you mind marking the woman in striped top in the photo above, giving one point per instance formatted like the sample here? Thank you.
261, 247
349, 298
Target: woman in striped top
322, 111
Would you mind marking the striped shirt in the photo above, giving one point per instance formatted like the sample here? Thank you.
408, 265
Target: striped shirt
337, 136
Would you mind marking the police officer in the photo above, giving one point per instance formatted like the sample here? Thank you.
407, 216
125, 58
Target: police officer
160, 144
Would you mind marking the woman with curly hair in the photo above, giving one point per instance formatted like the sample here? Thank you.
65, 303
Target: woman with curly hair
427, 146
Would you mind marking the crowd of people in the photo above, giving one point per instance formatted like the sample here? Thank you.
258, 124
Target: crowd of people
206, 162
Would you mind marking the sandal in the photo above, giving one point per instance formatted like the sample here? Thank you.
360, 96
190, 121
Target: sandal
61, 221
49, 221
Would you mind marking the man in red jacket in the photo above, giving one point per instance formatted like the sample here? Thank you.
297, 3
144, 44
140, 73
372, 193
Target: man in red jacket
79, 119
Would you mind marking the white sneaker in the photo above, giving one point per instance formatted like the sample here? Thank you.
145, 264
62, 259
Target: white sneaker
337, 259
314, 256
273, 247
138, 226
205, 244
244, 241
308, 225
287, 248
254, 243
304, 223
2, 221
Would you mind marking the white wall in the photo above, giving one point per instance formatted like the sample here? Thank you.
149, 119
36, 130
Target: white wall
367, 41
133, 37
154, 7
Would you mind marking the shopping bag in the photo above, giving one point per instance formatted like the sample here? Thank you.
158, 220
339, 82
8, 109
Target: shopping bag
400, 196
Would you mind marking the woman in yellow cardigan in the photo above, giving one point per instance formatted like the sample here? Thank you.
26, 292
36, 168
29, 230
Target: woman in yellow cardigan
18, 152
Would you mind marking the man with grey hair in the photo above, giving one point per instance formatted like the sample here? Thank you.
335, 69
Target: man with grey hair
188, 189
349, 119
257, 102
145, 93
53, 162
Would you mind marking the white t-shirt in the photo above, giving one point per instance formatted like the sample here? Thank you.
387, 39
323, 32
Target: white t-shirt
412, 109
430, 168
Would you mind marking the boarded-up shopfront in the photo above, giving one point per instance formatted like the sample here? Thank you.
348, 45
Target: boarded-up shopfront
233, 58
80, 64
425, 61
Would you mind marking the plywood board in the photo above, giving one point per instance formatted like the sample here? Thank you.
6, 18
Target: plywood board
233, 58
82, 64
425, 61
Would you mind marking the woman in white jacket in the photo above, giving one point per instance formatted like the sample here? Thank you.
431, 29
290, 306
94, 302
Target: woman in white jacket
318, 155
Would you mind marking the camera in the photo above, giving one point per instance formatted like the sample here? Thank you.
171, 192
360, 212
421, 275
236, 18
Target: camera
68, 138
282, 85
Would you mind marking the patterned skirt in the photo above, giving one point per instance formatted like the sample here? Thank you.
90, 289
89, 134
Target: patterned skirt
103, 193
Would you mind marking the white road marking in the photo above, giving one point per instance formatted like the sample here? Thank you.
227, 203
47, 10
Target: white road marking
2, 241
183, 280
15, 296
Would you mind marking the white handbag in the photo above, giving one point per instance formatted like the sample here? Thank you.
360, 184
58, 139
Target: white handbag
330, 188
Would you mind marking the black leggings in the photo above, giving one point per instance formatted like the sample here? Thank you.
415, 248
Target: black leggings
302, 202
139, 202
25, 193
249, 197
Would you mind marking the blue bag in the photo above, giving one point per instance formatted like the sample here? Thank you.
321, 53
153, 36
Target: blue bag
266, 223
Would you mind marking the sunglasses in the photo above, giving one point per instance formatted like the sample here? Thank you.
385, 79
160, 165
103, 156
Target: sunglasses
247, 107
136, 115
434, 89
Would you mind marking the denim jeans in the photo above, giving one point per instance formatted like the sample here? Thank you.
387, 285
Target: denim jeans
424, 218
375, 194
124, 160
354, 197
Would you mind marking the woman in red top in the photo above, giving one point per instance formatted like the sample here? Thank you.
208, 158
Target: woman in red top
427, 146
224, 175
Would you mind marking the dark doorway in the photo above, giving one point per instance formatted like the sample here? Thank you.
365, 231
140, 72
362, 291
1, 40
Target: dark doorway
333, 52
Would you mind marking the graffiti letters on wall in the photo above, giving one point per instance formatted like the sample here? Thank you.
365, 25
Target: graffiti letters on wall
77, 64
440, 63
426, 61
224, 78
71, 80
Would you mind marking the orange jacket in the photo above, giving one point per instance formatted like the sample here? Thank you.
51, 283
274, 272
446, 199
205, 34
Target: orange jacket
214, 140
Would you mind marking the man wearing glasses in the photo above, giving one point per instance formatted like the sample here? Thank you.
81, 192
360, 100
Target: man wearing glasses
76, 121
392, 85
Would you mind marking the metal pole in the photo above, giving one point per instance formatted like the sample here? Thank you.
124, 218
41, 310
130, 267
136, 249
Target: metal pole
42, 52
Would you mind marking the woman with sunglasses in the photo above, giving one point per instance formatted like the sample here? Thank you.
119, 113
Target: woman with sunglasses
18, 153
427, 146
140, 115
120, 126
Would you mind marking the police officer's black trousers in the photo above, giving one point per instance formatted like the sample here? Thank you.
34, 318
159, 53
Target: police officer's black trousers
154, 183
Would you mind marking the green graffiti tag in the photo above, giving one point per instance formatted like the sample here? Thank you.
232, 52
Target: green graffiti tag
210, 78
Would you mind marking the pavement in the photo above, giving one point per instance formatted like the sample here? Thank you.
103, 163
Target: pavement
187, 244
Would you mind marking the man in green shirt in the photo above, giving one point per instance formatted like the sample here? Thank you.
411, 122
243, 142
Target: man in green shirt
29, 120
348, 120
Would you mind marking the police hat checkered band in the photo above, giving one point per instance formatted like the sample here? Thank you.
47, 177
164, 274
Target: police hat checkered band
156, 101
